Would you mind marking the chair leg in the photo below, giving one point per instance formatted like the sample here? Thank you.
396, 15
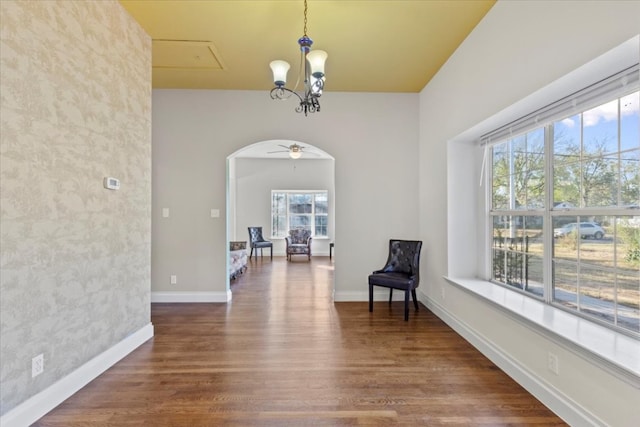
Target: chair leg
406, 305
271, 249
415, 299
390, 295
261, 254
370, 297
251, 254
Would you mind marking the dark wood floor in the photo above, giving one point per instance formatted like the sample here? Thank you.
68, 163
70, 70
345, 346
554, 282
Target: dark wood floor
283, 354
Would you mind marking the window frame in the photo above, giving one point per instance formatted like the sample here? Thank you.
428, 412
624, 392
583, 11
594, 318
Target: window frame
549, 212
288, 214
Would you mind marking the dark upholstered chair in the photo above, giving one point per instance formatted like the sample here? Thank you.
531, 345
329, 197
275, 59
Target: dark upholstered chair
258, 242
299, 243
402, 271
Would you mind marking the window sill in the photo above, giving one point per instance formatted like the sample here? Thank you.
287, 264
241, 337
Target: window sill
614, 351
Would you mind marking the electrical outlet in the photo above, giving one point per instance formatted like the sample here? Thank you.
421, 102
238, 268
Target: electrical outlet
552, 363
37, 365
174, 279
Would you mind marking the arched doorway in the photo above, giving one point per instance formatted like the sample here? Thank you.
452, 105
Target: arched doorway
256, 171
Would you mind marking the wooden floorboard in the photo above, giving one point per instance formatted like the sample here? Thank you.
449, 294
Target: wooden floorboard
282, 353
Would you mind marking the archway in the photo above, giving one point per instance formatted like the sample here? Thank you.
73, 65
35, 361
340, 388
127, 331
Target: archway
257, 170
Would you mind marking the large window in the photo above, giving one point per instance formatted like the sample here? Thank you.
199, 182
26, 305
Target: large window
564, 215
299, 209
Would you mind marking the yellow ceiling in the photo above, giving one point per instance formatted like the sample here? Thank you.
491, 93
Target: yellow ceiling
373, 46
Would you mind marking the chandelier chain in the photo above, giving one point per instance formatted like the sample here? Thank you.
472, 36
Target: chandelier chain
305, 18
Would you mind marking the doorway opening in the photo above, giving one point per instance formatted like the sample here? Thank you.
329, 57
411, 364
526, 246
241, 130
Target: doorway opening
258, 170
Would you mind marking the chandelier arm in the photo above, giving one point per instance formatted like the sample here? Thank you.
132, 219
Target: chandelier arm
300, 68
281, 92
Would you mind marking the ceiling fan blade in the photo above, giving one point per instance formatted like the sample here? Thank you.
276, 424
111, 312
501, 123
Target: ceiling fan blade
284, 146
281, 151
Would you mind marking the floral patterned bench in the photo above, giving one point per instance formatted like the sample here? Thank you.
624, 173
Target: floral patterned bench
237, 259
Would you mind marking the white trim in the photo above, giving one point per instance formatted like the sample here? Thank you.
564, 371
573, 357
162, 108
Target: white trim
191, 296
610, 350
561, 404
38, 405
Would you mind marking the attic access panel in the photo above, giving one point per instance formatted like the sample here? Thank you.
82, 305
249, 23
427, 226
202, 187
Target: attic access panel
186, 54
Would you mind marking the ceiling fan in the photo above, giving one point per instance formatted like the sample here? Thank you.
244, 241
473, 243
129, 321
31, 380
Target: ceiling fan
294, 150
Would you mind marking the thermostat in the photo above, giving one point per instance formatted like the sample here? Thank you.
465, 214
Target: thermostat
111, 183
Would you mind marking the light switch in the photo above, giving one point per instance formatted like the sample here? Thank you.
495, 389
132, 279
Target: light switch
215, 213
165, 212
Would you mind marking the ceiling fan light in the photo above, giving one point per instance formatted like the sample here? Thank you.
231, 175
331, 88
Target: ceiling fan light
316, 60
295, 154
280, 69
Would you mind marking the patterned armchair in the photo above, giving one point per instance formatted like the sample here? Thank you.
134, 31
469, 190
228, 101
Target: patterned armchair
299, 243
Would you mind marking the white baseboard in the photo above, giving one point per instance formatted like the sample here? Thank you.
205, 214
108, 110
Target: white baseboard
37, 406
563, 406
191, 296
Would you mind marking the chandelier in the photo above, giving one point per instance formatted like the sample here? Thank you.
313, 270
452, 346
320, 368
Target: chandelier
312, 65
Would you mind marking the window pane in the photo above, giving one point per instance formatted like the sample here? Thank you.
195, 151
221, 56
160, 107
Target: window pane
279, 226
566, 162
518, 172
300, 221
517, 252
500, 185
628, 263
600, 129
565, 284
279, 203
630, 122
600, 181
628, 307
321, 225
533, 175
630, 178
321, 203
278, 214
300, 203
597, 267
566, 136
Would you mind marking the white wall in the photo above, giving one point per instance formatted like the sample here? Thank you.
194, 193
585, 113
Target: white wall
518, 48
254, 180
373, 138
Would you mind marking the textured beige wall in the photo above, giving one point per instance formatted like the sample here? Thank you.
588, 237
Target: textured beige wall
76, 106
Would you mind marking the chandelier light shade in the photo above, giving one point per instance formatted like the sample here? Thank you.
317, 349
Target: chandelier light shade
280, 70
316, 60
311, 72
